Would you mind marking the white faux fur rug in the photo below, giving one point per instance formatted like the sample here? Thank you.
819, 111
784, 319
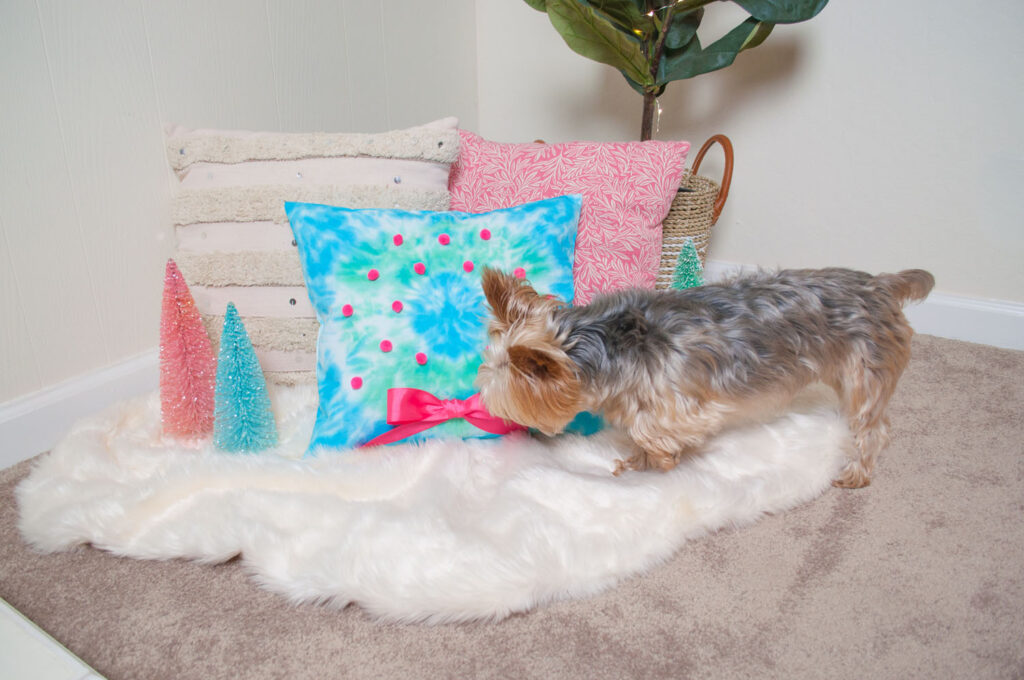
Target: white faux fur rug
444, 531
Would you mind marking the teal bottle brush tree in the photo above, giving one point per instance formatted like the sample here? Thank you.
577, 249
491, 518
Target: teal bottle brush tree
243, 418
689, 273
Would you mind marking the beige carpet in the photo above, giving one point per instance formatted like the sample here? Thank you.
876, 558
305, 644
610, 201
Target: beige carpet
921, 575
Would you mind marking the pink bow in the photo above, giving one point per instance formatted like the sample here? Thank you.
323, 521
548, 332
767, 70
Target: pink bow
411, 411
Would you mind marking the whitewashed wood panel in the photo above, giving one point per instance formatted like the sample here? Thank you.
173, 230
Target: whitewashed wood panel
366, 97
104, 93
42, 227
212, 63
431, 67
311, 81
19, 375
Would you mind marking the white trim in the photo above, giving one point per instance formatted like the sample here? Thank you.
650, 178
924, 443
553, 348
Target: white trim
34, 423
37, 421
31, 651
999, 323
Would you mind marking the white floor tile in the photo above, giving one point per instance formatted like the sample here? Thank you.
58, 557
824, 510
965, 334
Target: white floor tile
28, 653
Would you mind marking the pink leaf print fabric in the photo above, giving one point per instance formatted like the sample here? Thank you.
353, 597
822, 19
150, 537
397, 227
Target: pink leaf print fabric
627, 189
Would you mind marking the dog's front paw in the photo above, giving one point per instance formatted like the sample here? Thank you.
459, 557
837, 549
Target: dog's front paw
635, 462
638, 461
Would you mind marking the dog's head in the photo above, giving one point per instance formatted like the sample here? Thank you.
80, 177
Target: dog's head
526, 376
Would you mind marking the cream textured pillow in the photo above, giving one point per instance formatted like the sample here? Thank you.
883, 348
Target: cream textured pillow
234, 241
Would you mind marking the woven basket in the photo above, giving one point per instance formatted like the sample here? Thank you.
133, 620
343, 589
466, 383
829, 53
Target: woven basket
695, 209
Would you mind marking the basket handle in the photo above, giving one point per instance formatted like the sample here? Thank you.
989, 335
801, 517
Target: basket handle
723, 192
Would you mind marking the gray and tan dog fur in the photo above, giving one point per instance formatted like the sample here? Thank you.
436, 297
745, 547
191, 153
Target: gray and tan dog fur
670, 368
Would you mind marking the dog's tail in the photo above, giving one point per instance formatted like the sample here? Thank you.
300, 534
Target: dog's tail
909, 284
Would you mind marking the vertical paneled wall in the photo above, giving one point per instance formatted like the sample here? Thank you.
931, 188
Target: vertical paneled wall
88, 88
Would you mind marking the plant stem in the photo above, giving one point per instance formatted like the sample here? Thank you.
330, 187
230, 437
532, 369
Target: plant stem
647, 121
651, 96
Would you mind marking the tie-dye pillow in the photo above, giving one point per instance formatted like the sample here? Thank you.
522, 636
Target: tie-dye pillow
398, 297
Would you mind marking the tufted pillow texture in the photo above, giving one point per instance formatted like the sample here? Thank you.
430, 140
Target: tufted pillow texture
233, 240
399, 301
627, 188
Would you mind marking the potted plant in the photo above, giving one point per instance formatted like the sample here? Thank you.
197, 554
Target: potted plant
653, 42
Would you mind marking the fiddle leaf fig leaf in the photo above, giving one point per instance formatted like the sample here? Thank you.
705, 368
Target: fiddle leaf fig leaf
633, 84
782, 11
758, 35
539, 5
694, 60
683, 28
626, 15
588, 33
658, 90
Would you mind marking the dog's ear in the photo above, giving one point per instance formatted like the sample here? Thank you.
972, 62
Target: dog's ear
544, 387
509, 298
537, 364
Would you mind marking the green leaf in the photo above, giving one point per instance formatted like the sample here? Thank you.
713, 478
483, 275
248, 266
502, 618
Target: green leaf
690, 5
640, 88
683, 28
782, 11
626, 14
758, 36
633, 84
590, 34
693, 60
539, 5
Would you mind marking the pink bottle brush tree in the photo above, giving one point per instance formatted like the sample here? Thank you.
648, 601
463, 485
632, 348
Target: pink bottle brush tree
188, 369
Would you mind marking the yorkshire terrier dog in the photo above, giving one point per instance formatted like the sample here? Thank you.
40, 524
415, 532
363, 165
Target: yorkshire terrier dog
669, 368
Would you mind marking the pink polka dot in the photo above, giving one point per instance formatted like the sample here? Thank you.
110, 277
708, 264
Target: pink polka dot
397, 306
373, 274
419, 268
519, 273
385, 346
346, 310
398, 239
356, 382
485, 234
421, 358
467, 265
444, 239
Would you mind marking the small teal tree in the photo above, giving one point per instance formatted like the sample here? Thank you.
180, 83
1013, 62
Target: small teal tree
689, 272
243, 418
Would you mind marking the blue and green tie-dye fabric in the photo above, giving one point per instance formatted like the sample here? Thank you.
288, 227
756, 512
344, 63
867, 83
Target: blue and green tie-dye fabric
398, 297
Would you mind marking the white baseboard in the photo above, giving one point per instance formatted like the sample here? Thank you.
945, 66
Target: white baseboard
987, 322
36, 422
999, 323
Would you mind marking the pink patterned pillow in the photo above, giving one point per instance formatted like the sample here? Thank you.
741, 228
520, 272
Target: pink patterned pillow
627, 189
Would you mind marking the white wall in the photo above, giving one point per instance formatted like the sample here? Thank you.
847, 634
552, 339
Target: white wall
877, 135
84, 184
